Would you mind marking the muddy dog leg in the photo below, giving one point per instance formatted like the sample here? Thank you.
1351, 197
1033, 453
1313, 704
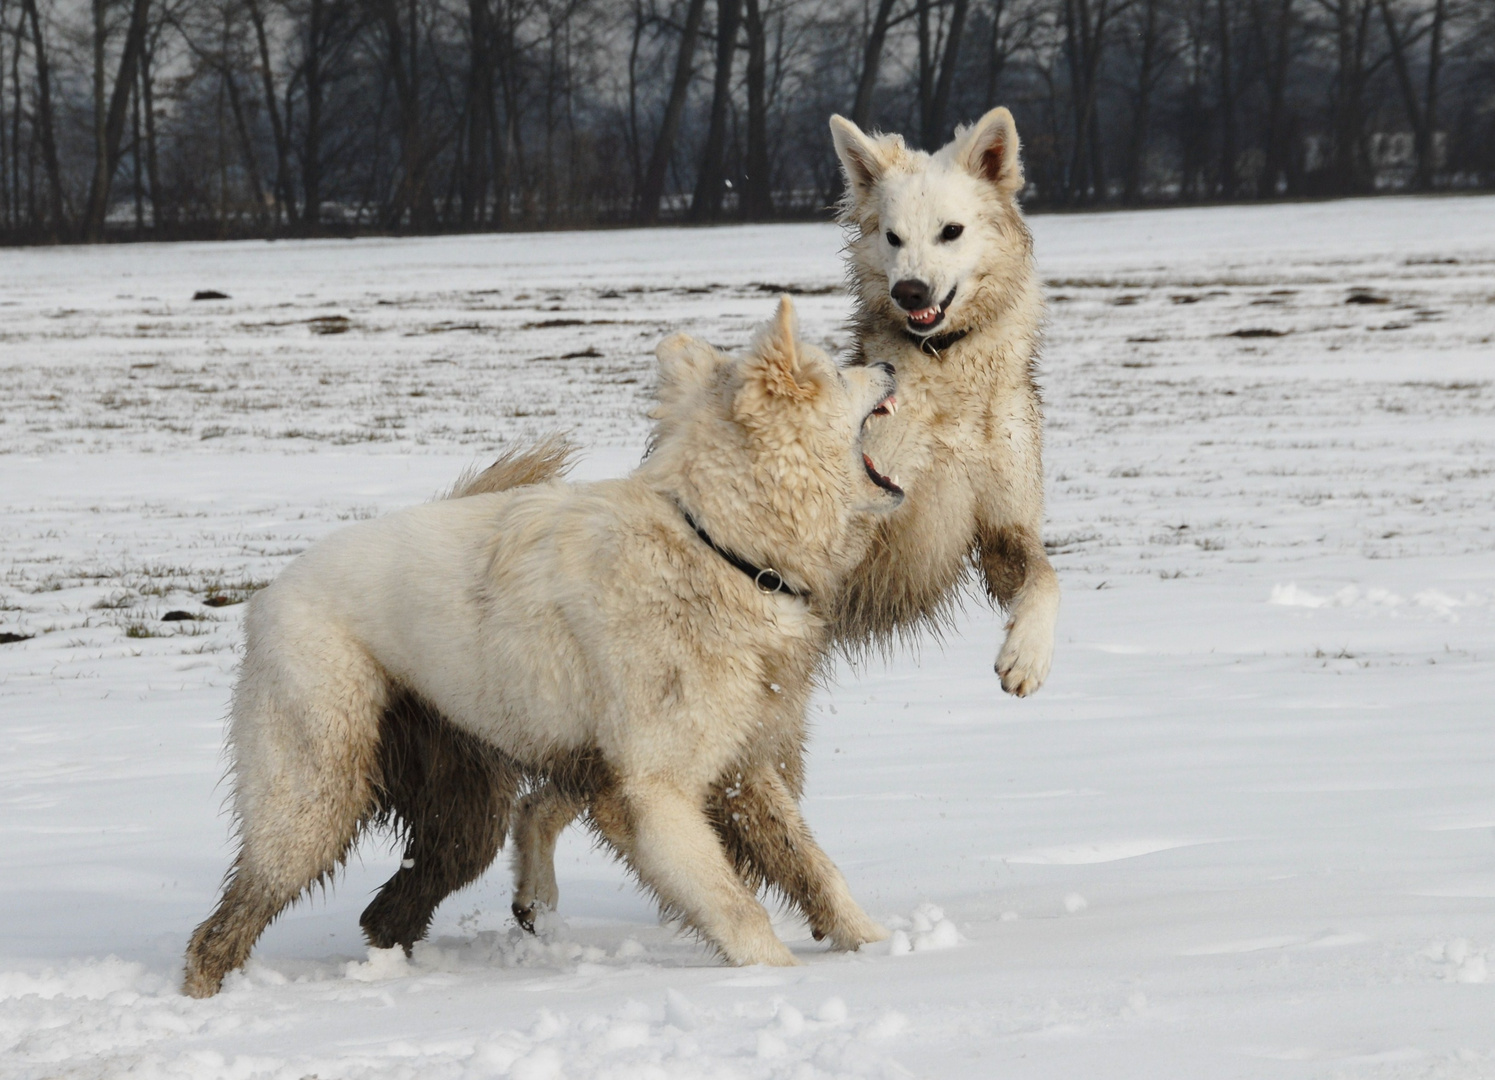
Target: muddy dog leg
664, 835
769, 842
449, 794
1020, 578
539, 820
304, 740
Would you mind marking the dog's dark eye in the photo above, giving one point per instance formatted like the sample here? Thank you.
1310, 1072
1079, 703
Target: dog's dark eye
894, 240
951, 232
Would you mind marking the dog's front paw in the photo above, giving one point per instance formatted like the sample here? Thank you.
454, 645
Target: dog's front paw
1024, 661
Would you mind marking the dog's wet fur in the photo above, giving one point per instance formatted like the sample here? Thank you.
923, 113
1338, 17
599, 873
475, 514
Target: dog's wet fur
525, 642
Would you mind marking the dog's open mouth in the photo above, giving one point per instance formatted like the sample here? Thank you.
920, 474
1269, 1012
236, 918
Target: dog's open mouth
887, 483
928, 318
887, 407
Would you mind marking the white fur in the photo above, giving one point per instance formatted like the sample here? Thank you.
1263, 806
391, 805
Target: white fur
555, 620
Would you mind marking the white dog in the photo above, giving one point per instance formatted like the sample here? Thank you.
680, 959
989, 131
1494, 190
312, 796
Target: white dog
941, 269
643, 641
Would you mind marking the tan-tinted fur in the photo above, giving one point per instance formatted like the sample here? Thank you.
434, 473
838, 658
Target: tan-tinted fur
552, 458
418, 670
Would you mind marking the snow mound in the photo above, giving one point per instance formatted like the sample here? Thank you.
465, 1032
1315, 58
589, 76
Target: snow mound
926, 930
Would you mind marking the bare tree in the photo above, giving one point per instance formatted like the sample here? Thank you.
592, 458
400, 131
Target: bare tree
114, 122
664, 142
939, 52
872, 50
1087, 26
757, 187
1422, 112
1010, 32
45, 128
1350, 29
1226, 64
707, 202
1148, 36
1274, 21
252, 116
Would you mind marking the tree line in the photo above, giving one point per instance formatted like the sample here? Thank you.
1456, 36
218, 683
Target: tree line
180, 118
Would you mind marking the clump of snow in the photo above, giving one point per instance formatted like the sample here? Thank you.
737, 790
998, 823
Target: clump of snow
926, 930
1435, 601
1458, 961
381, 964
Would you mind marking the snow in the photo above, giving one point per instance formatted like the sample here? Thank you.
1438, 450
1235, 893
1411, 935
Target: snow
1247, 829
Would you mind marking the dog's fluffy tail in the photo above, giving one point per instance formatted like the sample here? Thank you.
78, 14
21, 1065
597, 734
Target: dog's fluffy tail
549, 459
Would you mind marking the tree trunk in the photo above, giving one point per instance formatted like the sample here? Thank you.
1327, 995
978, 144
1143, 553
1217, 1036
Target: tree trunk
285, 204
479, 121
1084, 40
996, 54
757, 184
1136, 148
114, 126
100, 116
518, 173
934, 134
635, 146
664, 143
1276, 136
1227, 103
925, 85
877, 36
152, 170
6, 152
311, 153
1427, 155
57, 223
706, 205
1420, 114
246, 146
413, 195
1350, 30
135, 159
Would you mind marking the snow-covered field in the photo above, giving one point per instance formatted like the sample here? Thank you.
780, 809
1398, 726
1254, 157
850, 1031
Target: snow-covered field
1246, 830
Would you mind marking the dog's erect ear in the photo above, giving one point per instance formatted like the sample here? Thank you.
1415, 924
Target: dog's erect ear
862, 158
685, 364
989, 149
775, 366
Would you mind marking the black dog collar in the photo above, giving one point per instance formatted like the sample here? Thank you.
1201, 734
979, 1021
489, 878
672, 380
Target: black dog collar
766, 578
936, 344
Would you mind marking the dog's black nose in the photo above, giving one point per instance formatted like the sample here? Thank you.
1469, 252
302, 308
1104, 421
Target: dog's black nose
889, 368
911, 294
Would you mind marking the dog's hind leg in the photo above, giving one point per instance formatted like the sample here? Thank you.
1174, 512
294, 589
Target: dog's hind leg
541, 817
768, 840
449, 794
304, 739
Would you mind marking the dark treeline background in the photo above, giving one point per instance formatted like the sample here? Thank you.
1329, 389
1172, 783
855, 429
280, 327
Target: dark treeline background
169, 118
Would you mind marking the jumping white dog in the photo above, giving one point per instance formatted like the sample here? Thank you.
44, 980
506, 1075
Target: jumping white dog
941, 270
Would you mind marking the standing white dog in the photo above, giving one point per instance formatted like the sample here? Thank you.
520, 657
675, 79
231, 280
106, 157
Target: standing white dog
641, 641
